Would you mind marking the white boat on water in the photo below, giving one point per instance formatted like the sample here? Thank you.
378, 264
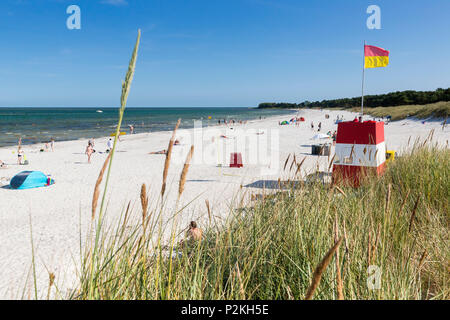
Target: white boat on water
99, 111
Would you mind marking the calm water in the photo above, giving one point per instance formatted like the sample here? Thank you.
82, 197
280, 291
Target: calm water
36, 125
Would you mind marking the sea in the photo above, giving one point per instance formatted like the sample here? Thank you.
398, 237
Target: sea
39, 125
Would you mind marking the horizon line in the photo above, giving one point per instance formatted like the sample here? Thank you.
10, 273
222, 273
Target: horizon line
136, 107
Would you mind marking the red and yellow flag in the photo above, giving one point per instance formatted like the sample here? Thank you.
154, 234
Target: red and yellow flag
375, 57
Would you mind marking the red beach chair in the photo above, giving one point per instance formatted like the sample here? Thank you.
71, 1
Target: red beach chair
236, 160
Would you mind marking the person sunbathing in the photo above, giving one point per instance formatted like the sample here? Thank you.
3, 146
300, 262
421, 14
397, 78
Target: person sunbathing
2, 165
159, 152
194, 232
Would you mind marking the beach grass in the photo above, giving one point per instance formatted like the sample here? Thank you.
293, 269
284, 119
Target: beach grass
435, 110
283, 245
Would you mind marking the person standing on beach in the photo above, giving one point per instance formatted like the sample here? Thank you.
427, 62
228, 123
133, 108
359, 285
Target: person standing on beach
312, 125
320, 126
52, 144
91, 142
89, 151
19, 155
109, 145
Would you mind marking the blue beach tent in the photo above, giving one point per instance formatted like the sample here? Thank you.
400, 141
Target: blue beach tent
30, 179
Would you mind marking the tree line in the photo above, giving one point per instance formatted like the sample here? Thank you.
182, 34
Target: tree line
391, 99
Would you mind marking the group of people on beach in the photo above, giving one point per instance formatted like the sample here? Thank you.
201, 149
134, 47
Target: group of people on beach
109, 144
231, 122
50, 145
21, 159
319, 126
91, 144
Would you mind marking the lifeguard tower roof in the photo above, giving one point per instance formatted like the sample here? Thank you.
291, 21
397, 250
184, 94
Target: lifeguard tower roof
367, 132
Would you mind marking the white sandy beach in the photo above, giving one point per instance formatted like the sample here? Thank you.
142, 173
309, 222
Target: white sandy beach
60, 212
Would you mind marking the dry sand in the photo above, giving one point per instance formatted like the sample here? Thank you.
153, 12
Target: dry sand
61, 213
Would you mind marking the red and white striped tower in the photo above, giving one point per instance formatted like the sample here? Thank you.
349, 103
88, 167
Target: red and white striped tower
360, 150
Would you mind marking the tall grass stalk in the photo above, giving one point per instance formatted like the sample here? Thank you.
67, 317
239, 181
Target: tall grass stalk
168, 157
33, 262
175, 219
126, 84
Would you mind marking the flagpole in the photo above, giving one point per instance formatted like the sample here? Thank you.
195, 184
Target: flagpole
362, 87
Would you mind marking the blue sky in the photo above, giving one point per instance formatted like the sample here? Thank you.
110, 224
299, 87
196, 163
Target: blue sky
216, 53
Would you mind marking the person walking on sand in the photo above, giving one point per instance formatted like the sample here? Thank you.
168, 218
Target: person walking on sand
319, 126
52, 144
89, 151
312, 125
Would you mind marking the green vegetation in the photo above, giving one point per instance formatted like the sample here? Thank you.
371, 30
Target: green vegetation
271, 249
437, 110
393, 99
